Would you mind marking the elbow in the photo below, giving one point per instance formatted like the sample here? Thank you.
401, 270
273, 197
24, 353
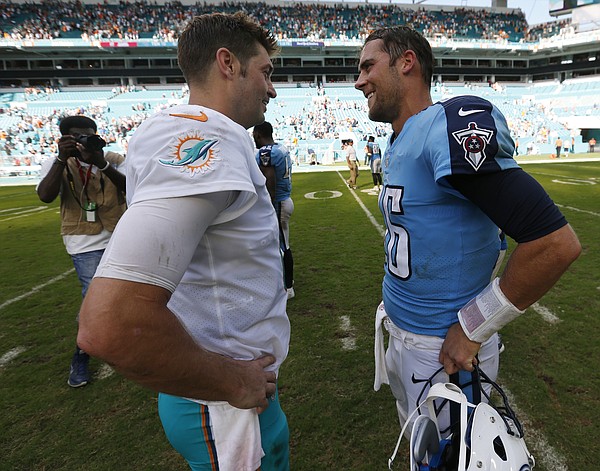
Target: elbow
89, 337
570, 248
96, 332
45, 198
575, 251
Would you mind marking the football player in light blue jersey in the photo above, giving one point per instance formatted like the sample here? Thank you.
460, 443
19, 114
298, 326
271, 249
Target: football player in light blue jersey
276, 164
450, 182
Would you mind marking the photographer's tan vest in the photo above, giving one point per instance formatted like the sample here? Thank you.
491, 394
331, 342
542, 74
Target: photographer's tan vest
100, 190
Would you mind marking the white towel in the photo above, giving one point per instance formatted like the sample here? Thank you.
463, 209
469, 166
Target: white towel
236, 435
381, 375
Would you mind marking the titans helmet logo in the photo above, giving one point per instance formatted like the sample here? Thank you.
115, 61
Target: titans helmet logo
474, 140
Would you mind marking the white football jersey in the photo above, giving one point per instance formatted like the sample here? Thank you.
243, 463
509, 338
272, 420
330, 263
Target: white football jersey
231, 298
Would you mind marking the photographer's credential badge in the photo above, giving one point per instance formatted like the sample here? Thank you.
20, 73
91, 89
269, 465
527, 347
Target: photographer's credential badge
89, 212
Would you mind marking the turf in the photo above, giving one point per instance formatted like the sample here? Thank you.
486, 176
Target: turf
337, 421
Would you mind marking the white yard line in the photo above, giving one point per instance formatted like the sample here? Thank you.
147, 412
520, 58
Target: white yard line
104, 372
370, 217
11, 355
37, 288
546, 313
348, 341
543, 452
26, 213
571, 208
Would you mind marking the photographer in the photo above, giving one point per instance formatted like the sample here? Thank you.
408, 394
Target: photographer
92, 199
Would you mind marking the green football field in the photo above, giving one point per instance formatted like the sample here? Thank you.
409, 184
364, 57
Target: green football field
337, 421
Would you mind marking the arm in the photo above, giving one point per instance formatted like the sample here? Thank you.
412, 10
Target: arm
128, 325
269, 173
114, 175
533, 268
49, 187
125, 320
547, 247
97, 159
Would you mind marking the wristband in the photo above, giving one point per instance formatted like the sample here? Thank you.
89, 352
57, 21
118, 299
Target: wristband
487, 313
105, 167
63, 162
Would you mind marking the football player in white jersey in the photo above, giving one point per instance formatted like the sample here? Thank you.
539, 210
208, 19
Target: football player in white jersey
189, 298
450, 181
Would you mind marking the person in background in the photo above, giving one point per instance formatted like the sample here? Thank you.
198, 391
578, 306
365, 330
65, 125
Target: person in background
276, 165
558, 145
374, 152
352, 161
572, 144
189, 298
92, 200
450, 182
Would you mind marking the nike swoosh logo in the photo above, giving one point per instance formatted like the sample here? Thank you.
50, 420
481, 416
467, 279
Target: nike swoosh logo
201, 117
462, 112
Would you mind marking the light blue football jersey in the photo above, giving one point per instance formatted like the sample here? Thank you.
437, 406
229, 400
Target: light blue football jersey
278, 156
440, 248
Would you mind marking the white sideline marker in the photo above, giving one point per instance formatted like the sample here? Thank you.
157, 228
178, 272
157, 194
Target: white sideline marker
35, 289
11, 355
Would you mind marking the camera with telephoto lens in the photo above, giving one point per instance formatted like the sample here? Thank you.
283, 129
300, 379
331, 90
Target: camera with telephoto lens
91, 142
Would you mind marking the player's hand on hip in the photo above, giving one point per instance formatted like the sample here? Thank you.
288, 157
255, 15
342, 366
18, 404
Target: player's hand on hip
458, 352
256, 385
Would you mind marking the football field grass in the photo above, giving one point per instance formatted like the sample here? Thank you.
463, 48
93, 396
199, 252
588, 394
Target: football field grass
337, 421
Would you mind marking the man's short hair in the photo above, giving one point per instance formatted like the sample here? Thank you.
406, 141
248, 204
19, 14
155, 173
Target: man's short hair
80, 122
205, 34
264, 129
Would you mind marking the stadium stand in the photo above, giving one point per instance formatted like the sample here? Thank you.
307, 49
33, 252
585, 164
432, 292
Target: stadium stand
315, 107
304, 118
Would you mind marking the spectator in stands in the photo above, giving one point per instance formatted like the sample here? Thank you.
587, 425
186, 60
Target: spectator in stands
189, 298
352, 161
445, 196
275, 163
92, 199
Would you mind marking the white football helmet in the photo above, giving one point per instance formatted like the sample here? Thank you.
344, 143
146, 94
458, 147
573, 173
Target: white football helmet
487, 437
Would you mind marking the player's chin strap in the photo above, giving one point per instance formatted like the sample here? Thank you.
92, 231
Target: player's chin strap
443, 391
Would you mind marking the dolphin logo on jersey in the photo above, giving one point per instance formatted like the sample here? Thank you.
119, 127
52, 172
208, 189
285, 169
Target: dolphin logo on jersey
474, 140
193, 154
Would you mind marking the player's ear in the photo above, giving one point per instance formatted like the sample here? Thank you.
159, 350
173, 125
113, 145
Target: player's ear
226, 62
408, 61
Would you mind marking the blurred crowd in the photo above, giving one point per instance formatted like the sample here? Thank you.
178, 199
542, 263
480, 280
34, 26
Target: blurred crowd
132, 20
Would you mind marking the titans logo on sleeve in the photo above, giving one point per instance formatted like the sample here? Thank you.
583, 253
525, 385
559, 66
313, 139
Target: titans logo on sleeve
474, 141
264, 154
478, 135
